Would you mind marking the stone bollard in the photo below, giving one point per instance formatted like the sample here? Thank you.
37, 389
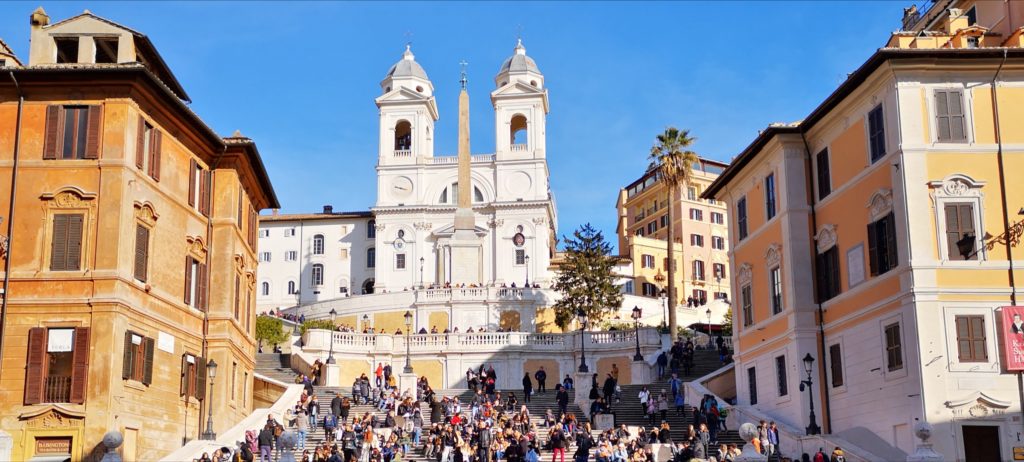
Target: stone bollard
112, 440
288, 441
748, 432
923, 452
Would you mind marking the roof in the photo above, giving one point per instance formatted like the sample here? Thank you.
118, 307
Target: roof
855, 79
315, 216
407, 67
519, 62
256, 160
703, 161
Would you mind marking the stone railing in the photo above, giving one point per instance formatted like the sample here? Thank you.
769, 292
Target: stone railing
448, 160
403, 153
391, 301
519, 147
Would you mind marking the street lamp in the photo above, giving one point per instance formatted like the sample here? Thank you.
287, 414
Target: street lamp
421, 271
636, 330
812, 427
330, 357
408, 339
582, 316
527, 260
366, 321
709, 326
211, 370
664, 307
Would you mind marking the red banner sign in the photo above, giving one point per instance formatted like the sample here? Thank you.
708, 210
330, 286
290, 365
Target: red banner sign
1013, 337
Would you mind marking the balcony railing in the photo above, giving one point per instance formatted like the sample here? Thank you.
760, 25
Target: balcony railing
403, 152
519, 147
57, 389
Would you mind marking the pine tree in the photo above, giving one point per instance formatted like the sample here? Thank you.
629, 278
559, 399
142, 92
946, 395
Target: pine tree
586, 279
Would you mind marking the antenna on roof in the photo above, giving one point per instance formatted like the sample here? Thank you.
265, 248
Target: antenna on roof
463, 80
408, 38
519, 32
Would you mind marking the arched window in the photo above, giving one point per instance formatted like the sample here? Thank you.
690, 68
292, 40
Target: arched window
368, 286
371, 229
265, 289
371, 257
318, 244
318, 275
450, 195
477, 195
291, 288
403, 136
343, 287
518, 130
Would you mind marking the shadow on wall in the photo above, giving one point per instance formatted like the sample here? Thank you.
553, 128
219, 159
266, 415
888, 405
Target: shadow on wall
865, 438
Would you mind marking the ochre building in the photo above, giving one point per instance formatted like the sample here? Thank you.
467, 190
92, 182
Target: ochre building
130, 264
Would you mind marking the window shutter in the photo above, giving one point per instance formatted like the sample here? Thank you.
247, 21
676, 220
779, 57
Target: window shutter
957, 131
184, 375
128, 357
207, 191
238, 282
74, 255
80, 365
147, 374
821, 271
35, 367
140, 144
92, 134
188, 280
201, 378
873, 247
154, 158
192, 182
978, 338
892, 255
51, 145
942, 115
201, 287
59, 243
952, 232
141, 252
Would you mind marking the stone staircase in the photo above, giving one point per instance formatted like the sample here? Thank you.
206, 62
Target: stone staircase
276, 366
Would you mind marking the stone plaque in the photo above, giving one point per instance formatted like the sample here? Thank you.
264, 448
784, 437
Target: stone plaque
55, 445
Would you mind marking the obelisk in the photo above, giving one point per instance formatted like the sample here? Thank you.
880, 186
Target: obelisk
466, 245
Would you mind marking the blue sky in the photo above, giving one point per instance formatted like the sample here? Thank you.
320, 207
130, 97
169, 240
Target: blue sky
300, 78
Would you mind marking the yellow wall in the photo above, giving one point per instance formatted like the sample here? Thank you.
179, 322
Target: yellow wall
352, 368
438, 319
849, 154
604, 366
389, 322
545, 321
511, 320
432, 369
531, 366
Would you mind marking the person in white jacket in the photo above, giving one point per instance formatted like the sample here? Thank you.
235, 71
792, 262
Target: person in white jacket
644, 397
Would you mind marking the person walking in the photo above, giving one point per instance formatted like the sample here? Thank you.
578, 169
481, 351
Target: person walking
314, 412
773, 439
662, 363
541, 377
562, 398
527, 386
301, 427
644, 396
266, 442
557, 440
336, 405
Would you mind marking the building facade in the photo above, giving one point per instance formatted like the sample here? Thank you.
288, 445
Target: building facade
130, 256
877, 237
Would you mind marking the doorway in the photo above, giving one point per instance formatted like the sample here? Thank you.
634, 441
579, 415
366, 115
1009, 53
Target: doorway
981, 443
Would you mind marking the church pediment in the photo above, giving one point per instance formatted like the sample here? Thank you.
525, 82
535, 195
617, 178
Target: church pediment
977, 404
402, 95
517, 88
449, 231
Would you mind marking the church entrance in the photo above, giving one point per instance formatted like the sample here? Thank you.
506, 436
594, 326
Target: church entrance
368, 286
981, 443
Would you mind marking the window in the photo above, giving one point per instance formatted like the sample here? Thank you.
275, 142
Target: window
147, 149
652, 227
876, 133
106, 50
371, 229
264, 256
780, 375
663, 220
193, 377
195, 283
697, 240
882, 245
141, 252
289, 232
691, 193
639, 231
698, 270
717, 218
717, 242
343, 288
265, 289
199, 181
700, 297
769, 196
66, 242
291, 255
57, 365
828, 274
835, 360
400, 261
719, 270
72, 132
317, 276
403, 136
647, 261
627, 288
741, 218
721, 296
893, 347
650, 290
264, 233
318, 244
234, 376
949, 116
748, 310
970, 339
520, 256
518, 131
775, 279
972, 16
291, 288
824, 176
752, 385
664, 264
371, 257
138, 358
697, 214
67, 49
961, 237
478, 196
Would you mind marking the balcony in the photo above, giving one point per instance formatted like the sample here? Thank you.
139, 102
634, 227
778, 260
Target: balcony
519, 147
403, 152
57, 389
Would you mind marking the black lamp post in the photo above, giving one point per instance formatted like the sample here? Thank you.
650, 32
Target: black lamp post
211, 371
636, 330
421, 271
663, 295
812, 427
408, 339
366, 321
527, 260
330, 357
582, 316
709, 326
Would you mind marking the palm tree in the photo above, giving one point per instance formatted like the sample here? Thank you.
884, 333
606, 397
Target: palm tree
673, 161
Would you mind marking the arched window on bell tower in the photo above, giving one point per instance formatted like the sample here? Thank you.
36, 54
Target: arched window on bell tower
518, 133
403, 138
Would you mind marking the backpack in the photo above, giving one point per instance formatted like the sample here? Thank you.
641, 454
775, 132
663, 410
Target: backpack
278, 430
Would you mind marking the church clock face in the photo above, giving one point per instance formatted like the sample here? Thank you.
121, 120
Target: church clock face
401, 187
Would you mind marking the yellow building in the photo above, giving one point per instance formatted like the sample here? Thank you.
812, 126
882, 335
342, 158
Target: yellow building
701, 235
129, 250
872, 236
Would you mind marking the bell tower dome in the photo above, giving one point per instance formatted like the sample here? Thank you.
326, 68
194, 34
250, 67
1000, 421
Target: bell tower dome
407, 113
520, 107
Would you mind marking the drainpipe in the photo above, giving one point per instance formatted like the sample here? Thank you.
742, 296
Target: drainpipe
10, 214
825, 398
209, 251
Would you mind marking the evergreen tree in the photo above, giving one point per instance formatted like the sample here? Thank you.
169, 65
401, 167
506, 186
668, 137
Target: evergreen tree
586, 278
270, 330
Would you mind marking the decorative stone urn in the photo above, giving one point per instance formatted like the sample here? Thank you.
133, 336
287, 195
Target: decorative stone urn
748, 432
923, 451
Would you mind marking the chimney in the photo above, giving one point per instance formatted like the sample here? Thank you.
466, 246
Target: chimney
39, 18
328, 209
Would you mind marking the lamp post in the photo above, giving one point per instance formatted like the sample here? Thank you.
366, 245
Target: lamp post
421, 271
527, 260
366, 321
582, 316
330, 357
211, 371
408, 339
812, 427
664, 307
636, 330
709, 326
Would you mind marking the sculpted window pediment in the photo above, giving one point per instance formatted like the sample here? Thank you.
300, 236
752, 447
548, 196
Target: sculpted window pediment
880, 203
774, 254
145, 213
826, 237
69, 197
957, 185
196, 247
745, 273
53, 416
977, 405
